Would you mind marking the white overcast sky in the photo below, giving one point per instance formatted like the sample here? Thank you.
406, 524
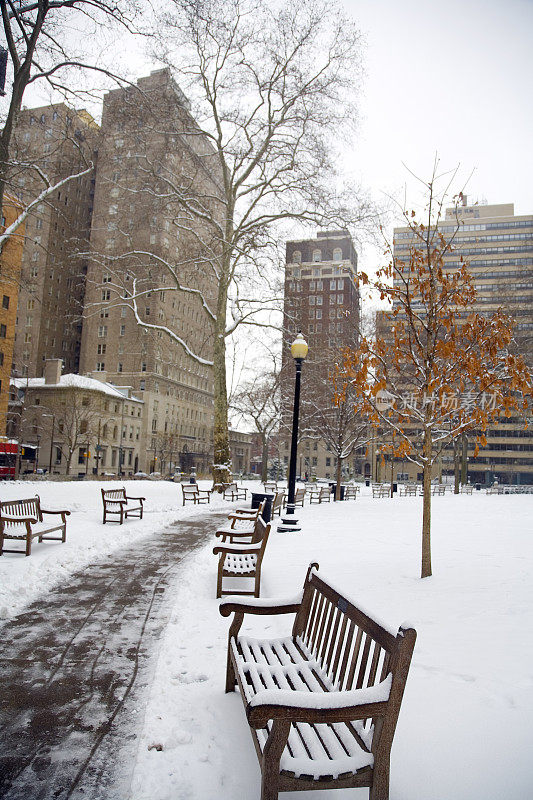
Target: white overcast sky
453, 78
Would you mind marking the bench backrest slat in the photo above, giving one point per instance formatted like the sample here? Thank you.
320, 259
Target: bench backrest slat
351, 648
28, 507
114, 494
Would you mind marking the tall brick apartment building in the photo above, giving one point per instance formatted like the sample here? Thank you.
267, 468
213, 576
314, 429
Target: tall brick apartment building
150, 153
322, 300
10, 266
60, 142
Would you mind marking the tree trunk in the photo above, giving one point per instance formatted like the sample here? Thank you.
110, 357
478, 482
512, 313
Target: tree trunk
426, 515
456, 466
339, 478
264, 457
222, 455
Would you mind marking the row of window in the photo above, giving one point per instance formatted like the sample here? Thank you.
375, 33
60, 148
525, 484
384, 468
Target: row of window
317, 255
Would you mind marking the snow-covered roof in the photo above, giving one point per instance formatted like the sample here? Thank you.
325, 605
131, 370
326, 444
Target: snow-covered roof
76, 382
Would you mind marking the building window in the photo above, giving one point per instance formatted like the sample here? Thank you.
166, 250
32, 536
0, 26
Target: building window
143, 366
100, 366
332, 285
318, 314
106, 294
102, 331
340, 283
122, 330
119, 366
296, 257
311, 300
5, 301
337, 254
142, 386
317, 255
3, 332
319, 301
101, 349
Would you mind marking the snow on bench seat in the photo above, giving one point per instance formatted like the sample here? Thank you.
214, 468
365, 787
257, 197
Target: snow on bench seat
322, 704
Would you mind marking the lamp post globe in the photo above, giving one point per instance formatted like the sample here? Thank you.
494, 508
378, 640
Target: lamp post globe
299, 350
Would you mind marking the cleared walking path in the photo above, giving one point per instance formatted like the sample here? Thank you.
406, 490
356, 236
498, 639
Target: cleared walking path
74, 665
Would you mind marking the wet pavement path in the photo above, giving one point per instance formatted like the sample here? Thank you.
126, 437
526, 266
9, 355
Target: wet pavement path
76, 666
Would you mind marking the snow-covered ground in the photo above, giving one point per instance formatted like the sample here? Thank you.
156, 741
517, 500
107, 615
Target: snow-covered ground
466, 722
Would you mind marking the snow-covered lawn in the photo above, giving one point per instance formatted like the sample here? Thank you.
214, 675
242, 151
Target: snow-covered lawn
466, 722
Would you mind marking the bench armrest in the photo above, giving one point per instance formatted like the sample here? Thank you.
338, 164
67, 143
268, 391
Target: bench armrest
134, 498
298, 706
234, 532
47, 511
260, 605
238, 549
19, 519
241, 514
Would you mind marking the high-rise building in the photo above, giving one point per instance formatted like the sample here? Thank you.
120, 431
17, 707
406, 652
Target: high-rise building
144, 244
497, 248
321, 300
57, 142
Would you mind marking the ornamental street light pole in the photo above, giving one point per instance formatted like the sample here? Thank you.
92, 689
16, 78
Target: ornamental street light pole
299, 350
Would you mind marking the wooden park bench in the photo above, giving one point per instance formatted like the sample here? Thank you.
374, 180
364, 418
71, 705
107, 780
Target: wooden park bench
380, 490
23, 519
299, 496
271, 487
192, 492
408, 490
234, 492
438, 488
278, 503
320, 494
241, 524
243, 560
467, 488
323, 702
351, 491
117, 503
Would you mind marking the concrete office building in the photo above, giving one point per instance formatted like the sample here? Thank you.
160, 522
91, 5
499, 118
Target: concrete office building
497, 247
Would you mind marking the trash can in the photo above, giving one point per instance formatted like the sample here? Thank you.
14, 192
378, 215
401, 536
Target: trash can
333, 487
478, 487
367, 482
192, 479
394, 487
257, 498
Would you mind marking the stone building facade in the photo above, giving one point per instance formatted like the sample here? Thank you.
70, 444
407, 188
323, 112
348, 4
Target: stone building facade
77, 425
143, 244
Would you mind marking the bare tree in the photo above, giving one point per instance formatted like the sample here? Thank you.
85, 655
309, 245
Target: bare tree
259, 400
44, 45
268, 86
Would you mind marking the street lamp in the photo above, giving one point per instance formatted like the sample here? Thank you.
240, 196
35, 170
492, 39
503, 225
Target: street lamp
299, 350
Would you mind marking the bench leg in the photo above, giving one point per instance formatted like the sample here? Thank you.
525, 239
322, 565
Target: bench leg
28, 544
274, 747
380, 782
219, 578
